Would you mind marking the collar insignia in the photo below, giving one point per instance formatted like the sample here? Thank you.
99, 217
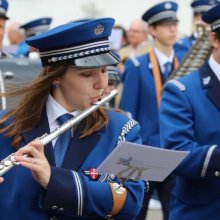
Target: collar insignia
206, 80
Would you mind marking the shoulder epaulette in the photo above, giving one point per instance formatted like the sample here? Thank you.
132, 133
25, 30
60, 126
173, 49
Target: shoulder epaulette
126, 129
178, 84
135, 61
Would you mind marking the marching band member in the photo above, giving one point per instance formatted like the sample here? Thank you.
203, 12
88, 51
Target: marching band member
199, 8
32, 28
143, 80
36, 26
3, 19
190, 111
54, 182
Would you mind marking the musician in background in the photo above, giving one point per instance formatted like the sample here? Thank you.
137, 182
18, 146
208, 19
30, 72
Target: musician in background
138, 43
143, 81
190, 110
198, 7
113, 82
32, 28
60, 180
16, 38
3, 19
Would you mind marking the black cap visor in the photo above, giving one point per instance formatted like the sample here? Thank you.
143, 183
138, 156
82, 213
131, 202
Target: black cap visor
94, 61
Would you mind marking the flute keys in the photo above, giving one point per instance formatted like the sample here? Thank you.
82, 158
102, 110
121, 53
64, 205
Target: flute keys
12, 158
7, 163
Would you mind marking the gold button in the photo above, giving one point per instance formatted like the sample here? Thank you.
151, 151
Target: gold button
217, 173
61, 209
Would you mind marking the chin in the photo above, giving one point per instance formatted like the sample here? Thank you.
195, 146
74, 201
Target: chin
85, 106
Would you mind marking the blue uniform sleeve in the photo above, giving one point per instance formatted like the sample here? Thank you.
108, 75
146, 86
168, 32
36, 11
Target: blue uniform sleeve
71, 193
177, 133
130, 92
100, 195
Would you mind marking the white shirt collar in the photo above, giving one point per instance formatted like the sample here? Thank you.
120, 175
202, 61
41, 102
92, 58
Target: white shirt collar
54, 110
214, 66
162, 59
195, 35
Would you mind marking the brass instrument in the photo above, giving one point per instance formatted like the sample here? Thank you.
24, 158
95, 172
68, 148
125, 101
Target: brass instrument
196, 56
9, 162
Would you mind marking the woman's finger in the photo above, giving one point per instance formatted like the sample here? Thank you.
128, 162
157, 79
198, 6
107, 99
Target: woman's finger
38, 145
26, 159
29, 150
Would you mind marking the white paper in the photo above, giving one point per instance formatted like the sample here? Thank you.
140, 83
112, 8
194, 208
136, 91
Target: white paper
141, 162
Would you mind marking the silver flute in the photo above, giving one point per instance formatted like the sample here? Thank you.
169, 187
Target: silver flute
9, 162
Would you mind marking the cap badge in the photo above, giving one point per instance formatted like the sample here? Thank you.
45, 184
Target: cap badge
167, 6
44, 21
99, 29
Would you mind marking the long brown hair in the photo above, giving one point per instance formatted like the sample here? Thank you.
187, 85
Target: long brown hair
27, 113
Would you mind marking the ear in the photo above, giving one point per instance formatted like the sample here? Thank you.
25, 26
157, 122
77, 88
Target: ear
151, 30
214, 40
56, 83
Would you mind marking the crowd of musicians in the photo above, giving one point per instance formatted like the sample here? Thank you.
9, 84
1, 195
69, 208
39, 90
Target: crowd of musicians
59, 181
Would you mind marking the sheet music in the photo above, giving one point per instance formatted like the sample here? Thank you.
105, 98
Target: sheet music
138, 161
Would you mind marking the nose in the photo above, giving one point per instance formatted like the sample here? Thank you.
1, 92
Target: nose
101, 80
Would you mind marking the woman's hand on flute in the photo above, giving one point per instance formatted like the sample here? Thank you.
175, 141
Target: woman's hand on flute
35, 161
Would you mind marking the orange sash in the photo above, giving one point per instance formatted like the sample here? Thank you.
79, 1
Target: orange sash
157, 75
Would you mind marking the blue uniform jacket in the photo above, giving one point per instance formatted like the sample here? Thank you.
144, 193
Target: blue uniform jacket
139, 98
190, 116
22, 50
185, 44
71, 194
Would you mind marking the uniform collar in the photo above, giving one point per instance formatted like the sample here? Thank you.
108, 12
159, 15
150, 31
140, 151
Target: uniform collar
215, 67
162, 59
54, 110
207, 76
210, 82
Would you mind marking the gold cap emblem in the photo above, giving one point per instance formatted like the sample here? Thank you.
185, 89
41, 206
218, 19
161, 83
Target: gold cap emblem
99, 29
